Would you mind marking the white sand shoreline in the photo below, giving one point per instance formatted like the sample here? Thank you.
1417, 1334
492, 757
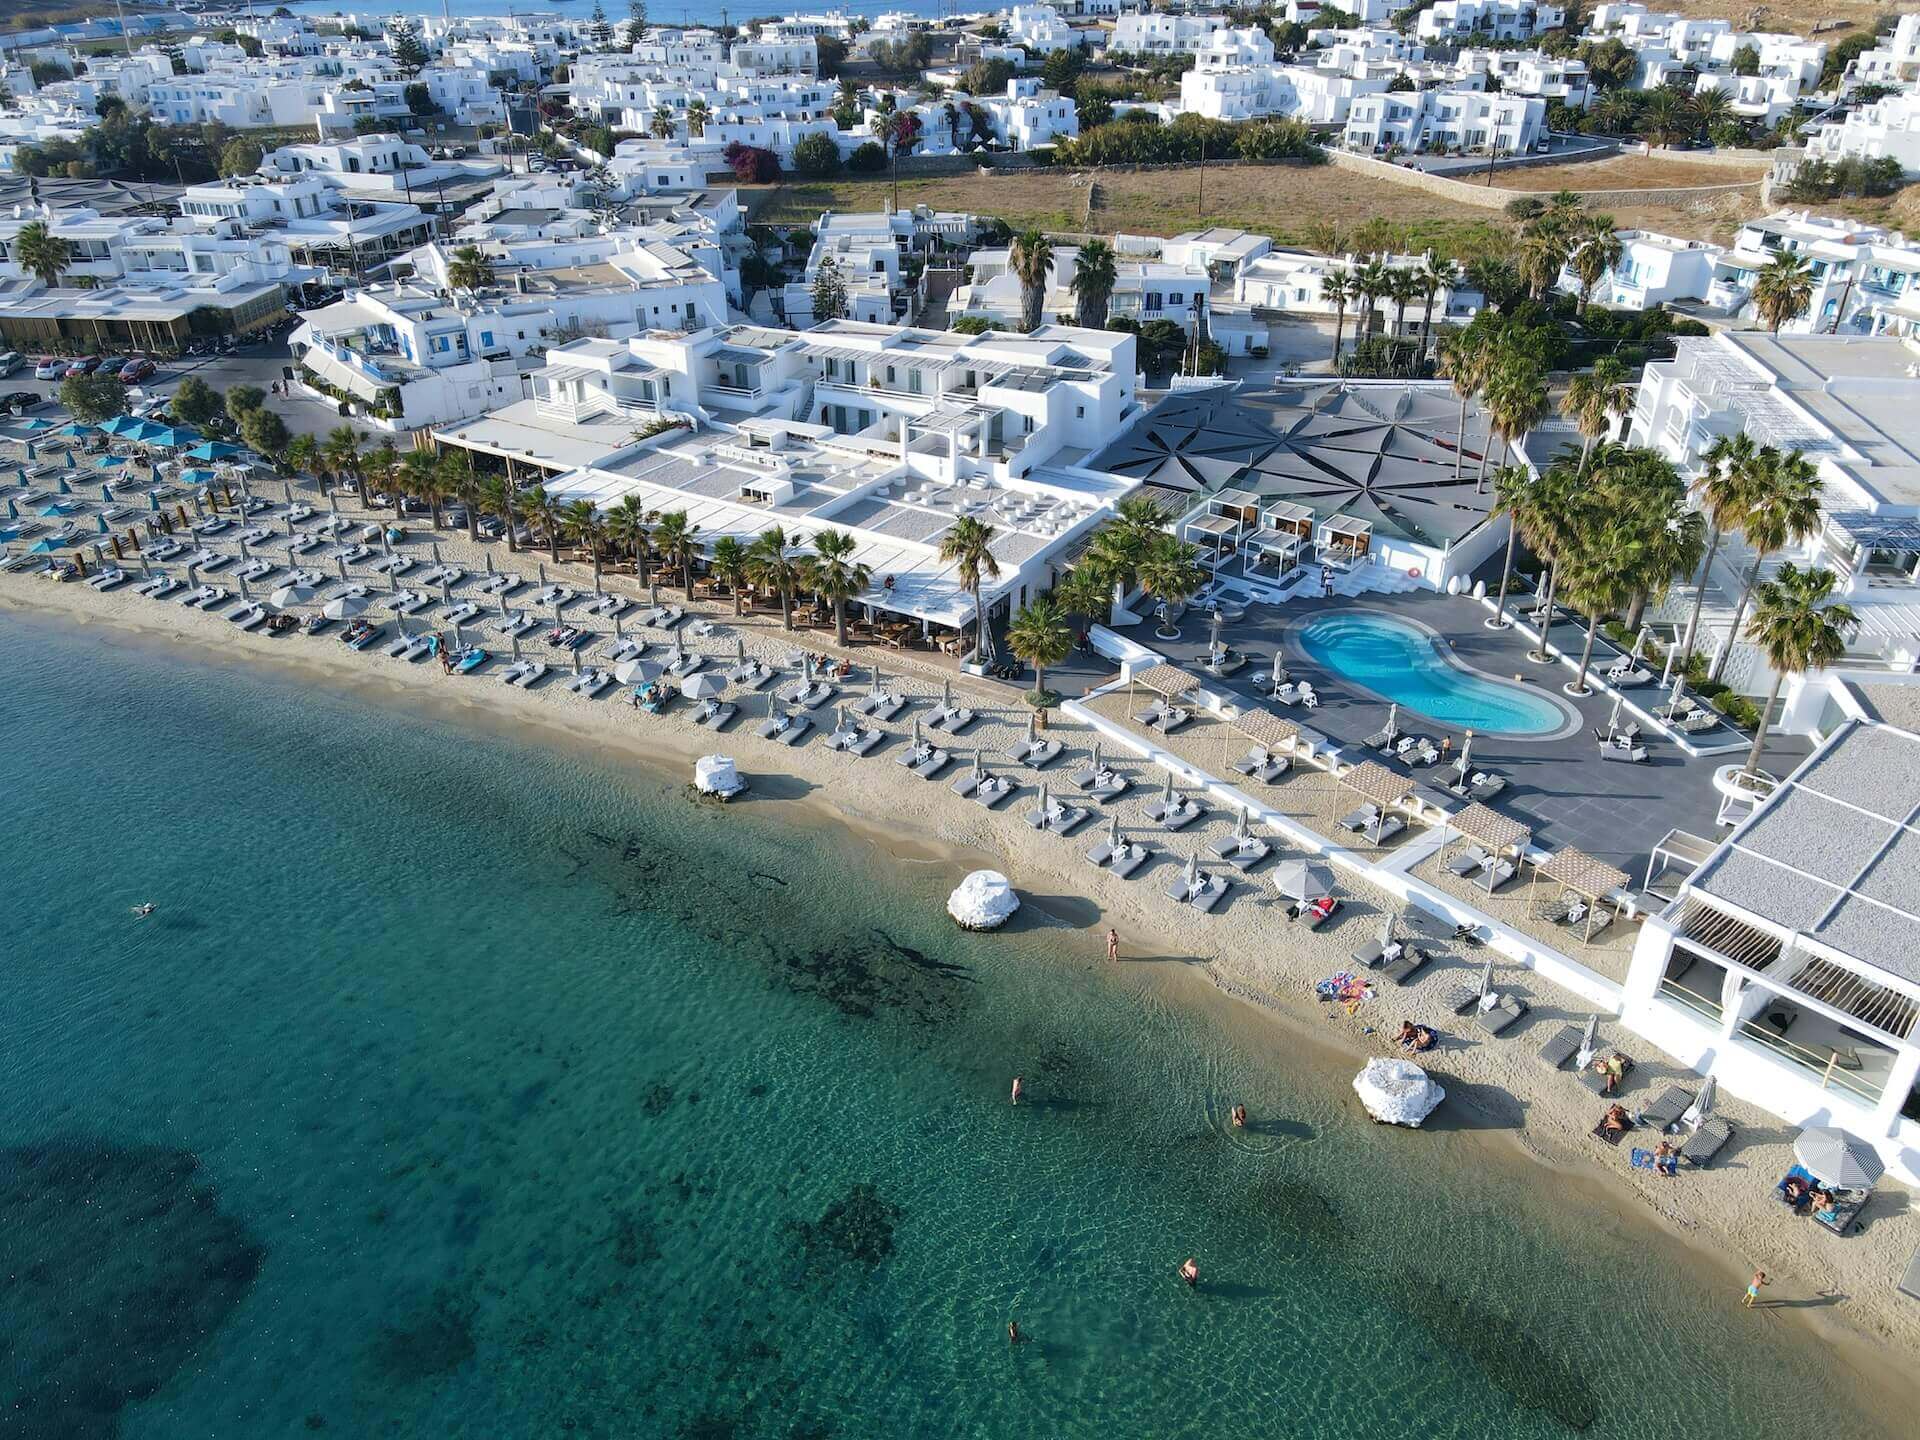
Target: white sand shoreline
1727, 1217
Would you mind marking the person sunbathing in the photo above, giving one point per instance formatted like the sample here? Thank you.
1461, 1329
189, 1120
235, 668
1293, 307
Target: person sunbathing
1795, 1190
1666, 1160
1823, 1203
1423, 1038
1613, 1069
1615, 1121
1408, 1034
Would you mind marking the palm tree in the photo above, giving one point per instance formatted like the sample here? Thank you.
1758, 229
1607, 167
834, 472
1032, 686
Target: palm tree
1663, 119
381, 471
1434, 276
1542, 251
769, 564
1591, 401
1084, 591
1782, 509
1597, 250
1721, 491
730, 564
627, 526
1599, 576
503, 501
1339, 291
674, 536
1039, 635
832, 574
1171, 572
1797, 629
1550, 528
1464, 358
421, 469
303, 454
470, 269
1513, 491
1782, 289
1372, 281
697, 115
340, 452
968, 545
661, 126
41, 253
584, 524
1709, 108
1403, 288
459, 479
1516, 401
1117, 548
1031, 259
543, 510
1092, 283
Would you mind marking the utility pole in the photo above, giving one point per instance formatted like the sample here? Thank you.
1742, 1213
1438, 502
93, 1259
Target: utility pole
1203, 182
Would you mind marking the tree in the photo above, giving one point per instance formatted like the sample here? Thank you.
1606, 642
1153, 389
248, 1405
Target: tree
1798, 629
1039, 636
241, 156
729, 563
583, 524
243, 400
470, 269
1782, 290
674, 536
1118, 547
1435, 274
1593, 399
265, 433
1085, 592
1746, 61
769, 564
829, 293
698, 114
458, 478
503, 503
1466, 358
1516, 400
1597, 249
1708, 109
1542, 251
409, 55
599, 31
636, 21
93, 398
832, 573
1721, 491
1094, 274
1513, 490
303, 455
1782, 508
543, 511
1664, 118
868, 158
1338, 290
968, 546
195, 402
420, 100
41, 253
1031, 260
627, 526
1171, 572
815, 155
339, 452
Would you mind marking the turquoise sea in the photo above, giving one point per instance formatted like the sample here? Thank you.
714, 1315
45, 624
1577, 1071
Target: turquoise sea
466, 1087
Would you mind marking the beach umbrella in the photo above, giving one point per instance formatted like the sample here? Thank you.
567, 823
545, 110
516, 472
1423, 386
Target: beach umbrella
1166, 796
343, 567
556, 611
212, 450
702, 687
489, 562
333, 501
1302, 880
1093, 764
1838, 1158
446, 591
106, 492
916, 732
386, 541
1033, 729
1193, 873
245, 594
109, 462
501, 601
740, 649
101, 520
75, 429
1466, 752
291, 595
344, 607
543, 572
1589, 1036
153, 501
619, 630
638, 672
573, 654
146, 568
457, 645
516, 648
13, 510
192, 566
1046, 803
402, 618
34, 425
67, 460
1213, 634
436, 552
1240, 827
946, 694
1702, 1105
978, 774
1113, 834
774, 709
1486, 978
1393, 722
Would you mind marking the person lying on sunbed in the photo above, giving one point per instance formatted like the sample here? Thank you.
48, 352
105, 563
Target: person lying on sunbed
1823, 1204
1795, 1190
1616, 1121
1613, 1068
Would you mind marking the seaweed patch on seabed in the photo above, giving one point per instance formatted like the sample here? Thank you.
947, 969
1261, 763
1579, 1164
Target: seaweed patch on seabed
1510, 1356
857, 1229
121, 1265
436, 1342
863, 975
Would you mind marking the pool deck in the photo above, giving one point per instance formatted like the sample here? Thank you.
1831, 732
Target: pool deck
1558, 786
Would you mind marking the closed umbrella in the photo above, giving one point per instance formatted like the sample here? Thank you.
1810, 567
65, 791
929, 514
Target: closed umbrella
344, 607
740, 649
291, 595
1393, 723
516, 648
702, 687
343, 566
1838, 1158
457, 643
1702, 1105
1113, 834
1193, 873
1589, 1037
436, 552
245, 593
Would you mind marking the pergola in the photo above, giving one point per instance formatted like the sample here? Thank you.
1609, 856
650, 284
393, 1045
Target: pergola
1264, 728
1344, 539
1500, 834
1593, 880
1169, 682
1384, 788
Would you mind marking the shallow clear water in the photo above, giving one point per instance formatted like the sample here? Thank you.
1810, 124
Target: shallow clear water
1401, 662
465, 1088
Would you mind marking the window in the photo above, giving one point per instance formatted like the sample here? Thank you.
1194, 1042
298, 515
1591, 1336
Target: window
486, 338
1079, 412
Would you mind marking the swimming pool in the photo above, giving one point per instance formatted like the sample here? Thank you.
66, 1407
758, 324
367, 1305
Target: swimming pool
1406, 663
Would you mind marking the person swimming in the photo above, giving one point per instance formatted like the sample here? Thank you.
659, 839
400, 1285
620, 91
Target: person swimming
1240, 1117
1016, 1089
1190, 1272
144, 909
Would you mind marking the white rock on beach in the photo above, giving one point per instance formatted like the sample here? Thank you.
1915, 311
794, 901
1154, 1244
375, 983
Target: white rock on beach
983, 901
1397, 1092
715, 775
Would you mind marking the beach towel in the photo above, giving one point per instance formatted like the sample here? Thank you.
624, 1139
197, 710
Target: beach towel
1600, 1131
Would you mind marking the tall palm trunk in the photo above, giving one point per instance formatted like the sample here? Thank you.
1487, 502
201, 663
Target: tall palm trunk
1760, 730
1739, 615
1426, 328
981, 649
1700, 594
1506, 574
1460, 442
1339, 324
686, 572
553, 542
840, 622
786, 607
1545, 652
1586, 655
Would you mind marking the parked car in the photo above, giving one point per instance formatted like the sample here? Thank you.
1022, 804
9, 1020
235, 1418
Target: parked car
10, 362
18, 402
136, 370
49, 369
85, 365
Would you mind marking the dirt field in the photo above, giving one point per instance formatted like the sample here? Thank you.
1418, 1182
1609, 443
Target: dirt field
1795, 16
1629, 172
1321, 208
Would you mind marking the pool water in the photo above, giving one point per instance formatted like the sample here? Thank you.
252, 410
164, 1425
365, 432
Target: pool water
1405, 663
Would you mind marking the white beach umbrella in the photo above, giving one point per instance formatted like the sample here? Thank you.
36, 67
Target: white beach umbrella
1838, 1158
1302, 880
1240, 828
516, 648
1046, 803
638, 672
1393, 722
457, 645
1166, 797
436, 552
740, 649
245, 593
346, 607
702, 687
343, 565
291, 595
1113, 834
1193, 873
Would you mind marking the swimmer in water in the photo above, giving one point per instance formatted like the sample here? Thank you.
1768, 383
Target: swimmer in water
1190, 1272
143, 910
1239, 1117
1016, 1089
1014, 1337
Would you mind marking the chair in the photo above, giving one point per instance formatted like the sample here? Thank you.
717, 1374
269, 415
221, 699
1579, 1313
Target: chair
1667, 1108
1562, 1046
1404, 966
1707, 1141
1498, 1017
1467, 861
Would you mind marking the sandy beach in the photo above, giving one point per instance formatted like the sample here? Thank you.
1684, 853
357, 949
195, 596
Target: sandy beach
1840, 1289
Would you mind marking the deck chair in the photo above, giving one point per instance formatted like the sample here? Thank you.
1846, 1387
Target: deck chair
1667, 1107
1707, 1141
1596, 1082
1467, 862
1501, 1016
1562, 1046
1404, 966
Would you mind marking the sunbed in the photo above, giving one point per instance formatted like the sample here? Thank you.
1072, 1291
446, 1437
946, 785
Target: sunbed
1667, 1107
1707, 1141
1498, 1017
1562, 1046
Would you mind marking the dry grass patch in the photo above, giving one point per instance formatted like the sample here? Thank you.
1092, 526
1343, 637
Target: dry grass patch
1631, 172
